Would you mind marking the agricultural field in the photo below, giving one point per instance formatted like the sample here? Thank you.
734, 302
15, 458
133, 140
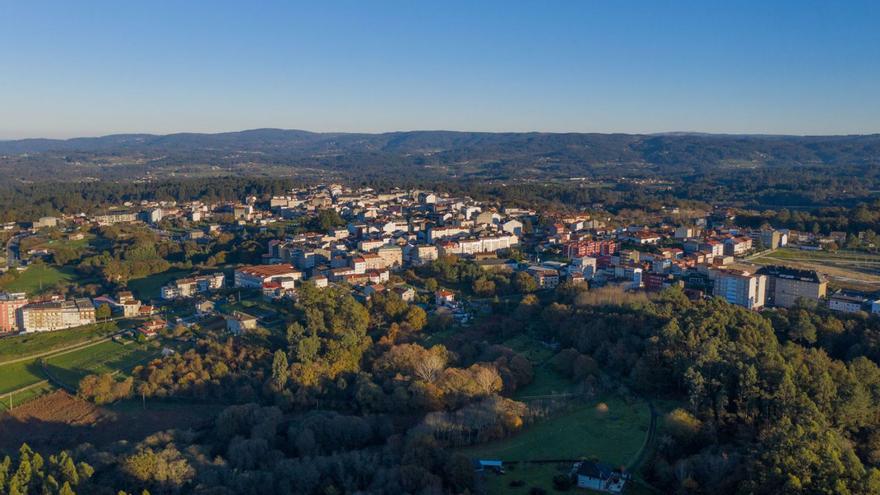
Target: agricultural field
106, 357
39, 278
844, 269
18, 375
30, 344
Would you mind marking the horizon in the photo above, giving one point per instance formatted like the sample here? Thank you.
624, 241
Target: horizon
103, 68
662, 133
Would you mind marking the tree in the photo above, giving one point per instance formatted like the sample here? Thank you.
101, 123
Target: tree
279, 370
103, 312
416, 318
524, 282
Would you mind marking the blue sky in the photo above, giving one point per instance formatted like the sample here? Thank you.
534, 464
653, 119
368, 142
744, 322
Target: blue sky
91, 68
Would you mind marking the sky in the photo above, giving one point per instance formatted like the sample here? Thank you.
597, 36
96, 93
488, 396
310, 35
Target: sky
90, 68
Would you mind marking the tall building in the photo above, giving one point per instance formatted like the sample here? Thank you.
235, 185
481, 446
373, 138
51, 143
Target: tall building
786, 285
741, 288
9, 306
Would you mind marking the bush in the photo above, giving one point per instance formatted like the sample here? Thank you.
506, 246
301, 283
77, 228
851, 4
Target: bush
517, 483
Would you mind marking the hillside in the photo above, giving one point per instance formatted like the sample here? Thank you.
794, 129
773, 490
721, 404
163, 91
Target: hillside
424, 153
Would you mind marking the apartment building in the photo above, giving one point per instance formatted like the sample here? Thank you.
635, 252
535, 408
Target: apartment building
10, 303
253, 277
191, 286
57, 315
590, 247
740, 287
786, 285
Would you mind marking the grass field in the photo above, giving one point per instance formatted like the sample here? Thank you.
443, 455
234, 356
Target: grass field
546, 381
106, 357
29, 344
614, 436
148, 287
845, 269
39, 278
18, 375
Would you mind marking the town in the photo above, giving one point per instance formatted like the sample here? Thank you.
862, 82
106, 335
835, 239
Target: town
373, 238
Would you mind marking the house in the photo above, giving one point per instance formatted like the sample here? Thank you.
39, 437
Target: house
599, 476
204, 307
444, 297
150, 329
130, 306
238, 322
406, 293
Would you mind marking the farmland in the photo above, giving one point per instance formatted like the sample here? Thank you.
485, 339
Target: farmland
73, 358
106, 357
31, 344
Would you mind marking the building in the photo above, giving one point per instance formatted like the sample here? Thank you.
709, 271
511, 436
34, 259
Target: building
253, 277
737, 246
191, 286
424, 254
740, 287
513, 227
589, 247
150, 329
846, 303
546, 278
10, 303
444, 297
786, 285
115, 217
599, 476
238, 322
128, 304
57, 315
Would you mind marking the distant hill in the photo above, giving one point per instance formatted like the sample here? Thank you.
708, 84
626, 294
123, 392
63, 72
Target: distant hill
471, 154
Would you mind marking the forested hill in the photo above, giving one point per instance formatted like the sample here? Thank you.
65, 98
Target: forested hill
430, 153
